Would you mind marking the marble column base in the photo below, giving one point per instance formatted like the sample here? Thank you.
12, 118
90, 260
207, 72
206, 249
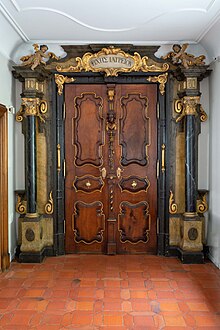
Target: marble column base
191, 229
185, 256
186, 238
36, 238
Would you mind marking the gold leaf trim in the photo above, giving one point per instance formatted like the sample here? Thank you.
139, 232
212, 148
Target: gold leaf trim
21, 206
202, 205
49, 206
60, 80
172, 204
203, 114
112, 61
161, 79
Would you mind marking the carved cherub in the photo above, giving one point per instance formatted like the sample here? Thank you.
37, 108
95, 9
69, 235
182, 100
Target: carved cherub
37, 58
110, 125
179, 56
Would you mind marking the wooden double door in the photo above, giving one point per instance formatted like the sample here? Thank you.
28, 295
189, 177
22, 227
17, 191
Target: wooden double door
110, 155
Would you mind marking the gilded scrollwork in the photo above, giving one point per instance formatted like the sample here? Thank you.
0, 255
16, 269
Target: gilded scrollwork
19, 115
20, 205
161, 79
60, 80
32, 107
112, 61
186, 106
33, 60
202, 205
50, 204
178, 106
179, 56
203, 114
149, 65
172, 204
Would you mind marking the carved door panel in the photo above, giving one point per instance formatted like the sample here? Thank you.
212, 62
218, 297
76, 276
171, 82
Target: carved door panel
136, 192
85, 189
110, 151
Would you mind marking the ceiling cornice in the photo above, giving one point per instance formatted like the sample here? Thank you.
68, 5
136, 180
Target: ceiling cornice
13, 23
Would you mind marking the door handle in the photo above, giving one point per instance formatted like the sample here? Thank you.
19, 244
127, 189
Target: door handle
103, 173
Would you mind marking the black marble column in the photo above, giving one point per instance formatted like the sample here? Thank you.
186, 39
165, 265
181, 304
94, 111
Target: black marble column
31, 166
190, 164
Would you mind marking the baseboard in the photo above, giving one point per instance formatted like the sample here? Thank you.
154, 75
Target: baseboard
185, 256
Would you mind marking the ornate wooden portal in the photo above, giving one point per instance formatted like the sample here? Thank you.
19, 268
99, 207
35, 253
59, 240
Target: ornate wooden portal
111, 183
111, 140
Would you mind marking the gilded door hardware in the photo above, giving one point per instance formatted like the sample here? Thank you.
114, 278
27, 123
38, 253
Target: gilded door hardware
58, 158
118, 172
88, 184
163, 158
103, 173
134, 184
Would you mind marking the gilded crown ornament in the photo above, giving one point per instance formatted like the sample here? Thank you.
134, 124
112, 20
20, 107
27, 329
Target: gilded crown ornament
179, 56
33, 60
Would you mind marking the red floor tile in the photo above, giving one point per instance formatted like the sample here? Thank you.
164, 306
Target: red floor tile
110, 293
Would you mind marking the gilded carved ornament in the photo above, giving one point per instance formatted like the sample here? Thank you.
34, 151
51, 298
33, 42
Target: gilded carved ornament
33, 60
189, 105
172, 204
20, 205
112, 61
49, 207
32, 107
161, 79
202, 205
179, 56
60, 80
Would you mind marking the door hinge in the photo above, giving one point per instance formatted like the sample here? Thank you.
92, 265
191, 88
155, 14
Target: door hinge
64, 226
64, 110
64, 168
158, 110
158, 168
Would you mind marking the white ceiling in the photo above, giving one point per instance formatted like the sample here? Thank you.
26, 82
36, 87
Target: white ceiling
145, 22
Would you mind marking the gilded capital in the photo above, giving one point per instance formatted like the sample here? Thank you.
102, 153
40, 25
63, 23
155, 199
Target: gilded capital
190, 105
31, 107
187, 106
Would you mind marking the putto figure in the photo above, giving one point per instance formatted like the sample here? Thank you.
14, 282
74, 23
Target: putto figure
37, 58
179, 56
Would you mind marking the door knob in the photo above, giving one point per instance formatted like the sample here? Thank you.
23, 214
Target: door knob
103, 173
134, 184
88, 184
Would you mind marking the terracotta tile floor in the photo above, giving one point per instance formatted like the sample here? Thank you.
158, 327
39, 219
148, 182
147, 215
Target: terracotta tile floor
110, 292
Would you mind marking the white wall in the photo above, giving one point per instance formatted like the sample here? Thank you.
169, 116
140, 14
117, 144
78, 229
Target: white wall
211, 42
10, 40
7, 91
214, 204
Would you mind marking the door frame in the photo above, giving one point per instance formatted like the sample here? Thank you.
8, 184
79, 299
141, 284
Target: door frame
4, 255
58, 139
